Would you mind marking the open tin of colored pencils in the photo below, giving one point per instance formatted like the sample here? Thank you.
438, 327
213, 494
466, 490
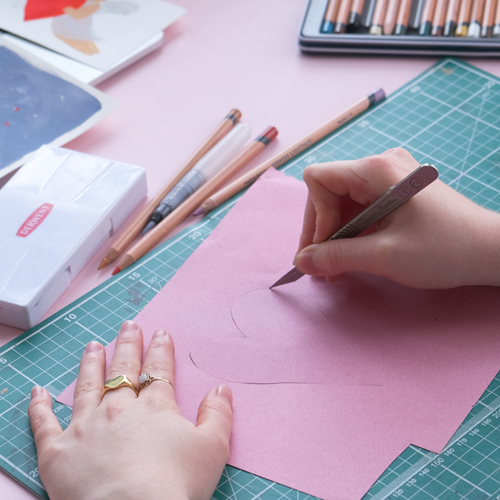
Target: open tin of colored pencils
468, 28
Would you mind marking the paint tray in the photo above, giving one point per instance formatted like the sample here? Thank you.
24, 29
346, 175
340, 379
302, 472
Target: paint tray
56, 212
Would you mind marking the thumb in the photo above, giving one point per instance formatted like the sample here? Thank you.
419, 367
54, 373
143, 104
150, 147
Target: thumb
335, 257
215, 415
44, 423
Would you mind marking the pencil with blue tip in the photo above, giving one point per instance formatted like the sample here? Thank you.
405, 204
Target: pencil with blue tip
330, 16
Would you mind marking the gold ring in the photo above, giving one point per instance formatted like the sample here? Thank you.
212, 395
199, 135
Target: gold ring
118, 382
145, 379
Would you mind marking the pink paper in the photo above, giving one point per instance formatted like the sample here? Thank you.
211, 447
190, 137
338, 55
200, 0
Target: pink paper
331, 382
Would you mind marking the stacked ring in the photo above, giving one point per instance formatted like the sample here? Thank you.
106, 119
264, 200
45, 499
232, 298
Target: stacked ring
119, 382
145, 379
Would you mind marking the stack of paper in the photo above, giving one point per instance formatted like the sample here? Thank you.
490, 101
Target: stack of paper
331, 382
89, 39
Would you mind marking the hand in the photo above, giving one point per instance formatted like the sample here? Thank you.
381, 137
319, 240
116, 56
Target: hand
438, 239
123, 446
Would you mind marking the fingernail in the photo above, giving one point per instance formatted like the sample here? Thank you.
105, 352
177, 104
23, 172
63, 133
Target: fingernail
93, 346
129, 327
225, 392
160, 333
304, 261
37, 392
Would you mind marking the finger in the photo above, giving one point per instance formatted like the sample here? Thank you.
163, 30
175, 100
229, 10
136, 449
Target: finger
362, 180
44, 423
215, 418
308, 226
336, 257
88, 390
160, 363
326, 202
127, 359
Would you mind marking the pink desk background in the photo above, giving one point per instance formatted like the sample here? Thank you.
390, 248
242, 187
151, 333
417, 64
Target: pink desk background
222, 54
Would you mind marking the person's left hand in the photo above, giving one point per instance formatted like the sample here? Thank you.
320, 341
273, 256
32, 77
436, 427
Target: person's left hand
125, 446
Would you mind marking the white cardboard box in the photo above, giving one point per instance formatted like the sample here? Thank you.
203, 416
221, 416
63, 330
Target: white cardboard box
54, 214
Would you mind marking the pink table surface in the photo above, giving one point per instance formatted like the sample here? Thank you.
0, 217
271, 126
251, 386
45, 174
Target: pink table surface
222, 54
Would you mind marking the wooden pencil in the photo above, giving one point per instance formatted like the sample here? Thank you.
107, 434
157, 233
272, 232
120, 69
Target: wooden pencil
417, 8
354, 18
277, 160
342, 14
450, 23
427, 16
142, 219
378, 19
403, 17
182, 211
368, 11
476, 17
496, 26
488, 18
463, 19
439, 17
390, 16
330, 16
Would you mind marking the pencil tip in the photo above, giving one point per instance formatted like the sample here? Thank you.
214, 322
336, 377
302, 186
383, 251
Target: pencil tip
104, 263
379, 94
116, 271
198, 211
151, 224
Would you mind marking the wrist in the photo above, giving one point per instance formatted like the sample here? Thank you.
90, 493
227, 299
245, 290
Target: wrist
487, 257
147, 488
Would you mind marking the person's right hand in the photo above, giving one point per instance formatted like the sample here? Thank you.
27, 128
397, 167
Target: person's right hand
438, 239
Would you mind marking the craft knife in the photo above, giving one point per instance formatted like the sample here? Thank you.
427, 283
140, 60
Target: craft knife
396, 196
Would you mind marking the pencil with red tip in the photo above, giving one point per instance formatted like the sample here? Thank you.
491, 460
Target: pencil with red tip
250, 177
170, 222
142, 219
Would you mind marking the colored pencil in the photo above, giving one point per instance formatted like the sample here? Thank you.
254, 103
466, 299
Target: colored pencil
378, 19
476, 17
277, 160
417, 7
180, 213
403, 17
368, 11
450, 24
354, 18
427, 16
142, 219
488, 18
330, 16
439, 17
390, 16
463, 18
342, 14
496, 27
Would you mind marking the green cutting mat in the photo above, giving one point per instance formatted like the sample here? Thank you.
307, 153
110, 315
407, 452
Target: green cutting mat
449, 116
